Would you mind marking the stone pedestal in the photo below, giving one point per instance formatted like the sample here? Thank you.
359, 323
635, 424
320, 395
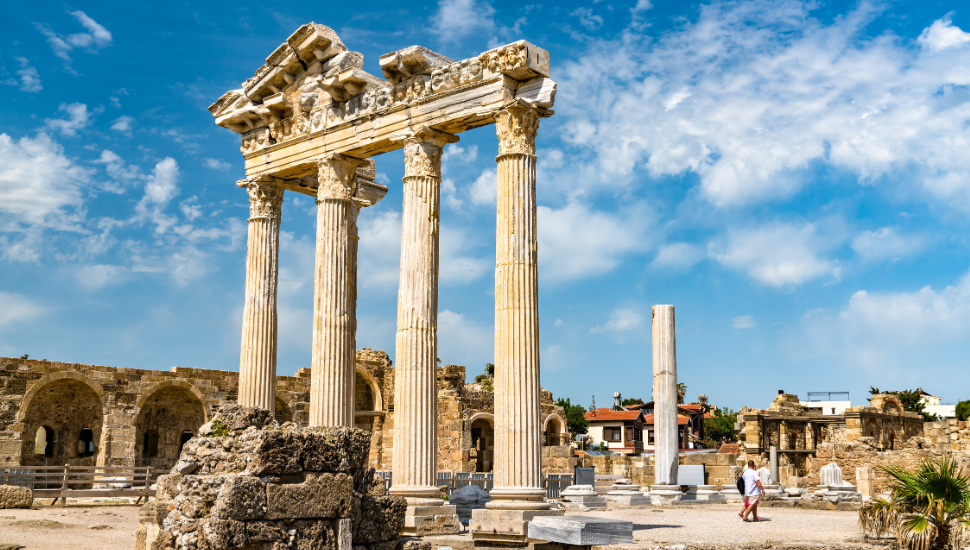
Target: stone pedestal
468, 499
581, 531
257, 358
731, 493
627, 496
420, 521
865, 477
661, 495
838, 493
666, 435
703, 493
582, 498
509, 527
773, 492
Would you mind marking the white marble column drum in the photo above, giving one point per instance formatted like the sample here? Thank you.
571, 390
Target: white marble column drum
415, 383
257, 360
335, 294
518, 432
665, 395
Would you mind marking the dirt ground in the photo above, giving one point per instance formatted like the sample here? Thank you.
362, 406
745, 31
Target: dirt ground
80, 527
112, 527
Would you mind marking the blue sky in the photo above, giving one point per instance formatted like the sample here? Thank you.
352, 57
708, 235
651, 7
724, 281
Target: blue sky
793, 176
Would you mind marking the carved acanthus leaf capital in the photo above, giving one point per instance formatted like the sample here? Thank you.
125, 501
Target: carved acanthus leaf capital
422, 152
517, 126
265, 199
337, 177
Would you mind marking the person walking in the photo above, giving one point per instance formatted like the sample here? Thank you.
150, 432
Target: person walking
753, 492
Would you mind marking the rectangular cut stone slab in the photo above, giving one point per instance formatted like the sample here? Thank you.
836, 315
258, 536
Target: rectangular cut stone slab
509, 526
581, 530
320, 496
420, 521
628, 500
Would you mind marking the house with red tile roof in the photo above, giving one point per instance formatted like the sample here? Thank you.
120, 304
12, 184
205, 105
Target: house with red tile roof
620, 431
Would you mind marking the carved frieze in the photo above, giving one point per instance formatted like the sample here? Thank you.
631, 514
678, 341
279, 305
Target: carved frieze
265, 199
255, 140
517, 126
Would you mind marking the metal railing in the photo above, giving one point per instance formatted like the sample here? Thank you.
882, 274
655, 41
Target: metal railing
452, 481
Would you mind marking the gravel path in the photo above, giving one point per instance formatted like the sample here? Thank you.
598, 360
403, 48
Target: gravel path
53, 527
720, 523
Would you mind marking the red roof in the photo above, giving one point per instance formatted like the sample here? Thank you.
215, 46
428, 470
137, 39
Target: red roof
682, 420
604, 414
730, 448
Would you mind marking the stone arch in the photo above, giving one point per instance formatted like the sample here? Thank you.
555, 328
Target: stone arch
554, 428
70, 408
892, 440
482, 428
872, 430
367, 392
891, 407
165, 415
284, 410
147, 394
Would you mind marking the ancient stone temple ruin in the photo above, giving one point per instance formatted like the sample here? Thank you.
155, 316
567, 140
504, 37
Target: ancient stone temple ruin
310, 120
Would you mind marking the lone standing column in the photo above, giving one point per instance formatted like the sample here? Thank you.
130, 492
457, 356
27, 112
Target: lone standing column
335, 294
665, 489
257, 359
415, 380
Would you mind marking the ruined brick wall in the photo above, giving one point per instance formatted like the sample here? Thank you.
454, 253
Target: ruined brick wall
719, 468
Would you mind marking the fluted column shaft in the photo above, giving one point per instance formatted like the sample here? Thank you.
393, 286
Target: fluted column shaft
257, 359
335, 294
415, 381
518, 432
666, 439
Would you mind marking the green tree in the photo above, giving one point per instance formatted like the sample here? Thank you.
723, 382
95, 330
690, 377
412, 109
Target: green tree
681, 392
575, 416
720, 426
911, 400
490, 369
632, 401
963, 410
928, 508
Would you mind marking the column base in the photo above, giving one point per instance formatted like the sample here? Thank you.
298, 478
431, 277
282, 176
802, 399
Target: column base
661, 495
703, 493
439, 518
510, 527
518, 498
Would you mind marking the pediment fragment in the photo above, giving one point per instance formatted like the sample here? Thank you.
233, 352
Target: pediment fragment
411, 61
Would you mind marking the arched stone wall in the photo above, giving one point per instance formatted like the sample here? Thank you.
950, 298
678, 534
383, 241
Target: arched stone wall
554, 429
66, 403
284, 411
367, 392
168, 413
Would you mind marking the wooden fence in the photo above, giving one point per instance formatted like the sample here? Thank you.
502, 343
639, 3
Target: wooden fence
61, 482
553, 483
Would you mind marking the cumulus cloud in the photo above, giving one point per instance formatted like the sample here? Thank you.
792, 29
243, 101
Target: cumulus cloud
484, 190
577, 241
678, 256
719, 97
16, 309
98, 276
463, 341
77, 118
29, 78
885, 244
122, 124
743, 322
95, 38
160, 188
217, 164
456, 19
622, 319
40, 187
777, 254
587, 18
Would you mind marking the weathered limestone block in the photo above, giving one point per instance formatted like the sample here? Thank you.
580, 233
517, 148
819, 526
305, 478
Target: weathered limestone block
15, 497
581, 530
374, 513
241, 498
318, 496
335, 450
277, 453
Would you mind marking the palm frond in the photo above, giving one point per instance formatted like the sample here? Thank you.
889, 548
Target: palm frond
916, 532
878, 517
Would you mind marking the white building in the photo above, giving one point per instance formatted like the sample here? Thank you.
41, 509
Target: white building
932, 405
824, 404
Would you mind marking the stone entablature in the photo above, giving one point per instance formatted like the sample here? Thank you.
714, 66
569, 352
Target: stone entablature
120, 405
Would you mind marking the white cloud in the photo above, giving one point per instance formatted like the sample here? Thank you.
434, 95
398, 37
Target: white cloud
885, 244
744, 321
558, 323
463, 341
777, 254
379, 252
577, 242
217, 164
96, 38
29, 77
456, 19
877, 107
16, 309
942, 35
122, 124
455, 266
78, 118
678, 256
588, 19
116, 167
622, 319
484, 190
455, 155
160, 188
98, 276
40, 187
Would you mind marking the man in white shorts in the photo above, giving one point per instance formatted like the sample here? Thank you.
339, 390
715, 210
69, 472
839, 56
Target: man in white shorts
752, 492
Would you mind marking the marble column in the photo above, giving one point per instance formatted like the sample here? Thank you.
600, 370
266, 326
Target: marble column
335, 293
415, 378
667, 447
257, 360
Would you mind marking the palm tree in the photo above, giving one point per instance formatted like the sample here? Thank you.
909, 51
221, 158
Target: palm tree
928, 508
681, 392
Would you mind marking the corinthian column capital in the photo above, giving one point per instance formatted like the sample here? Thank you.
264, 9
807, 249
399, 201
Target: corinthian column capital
422, 152
517, 125
265, 199
337, 177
